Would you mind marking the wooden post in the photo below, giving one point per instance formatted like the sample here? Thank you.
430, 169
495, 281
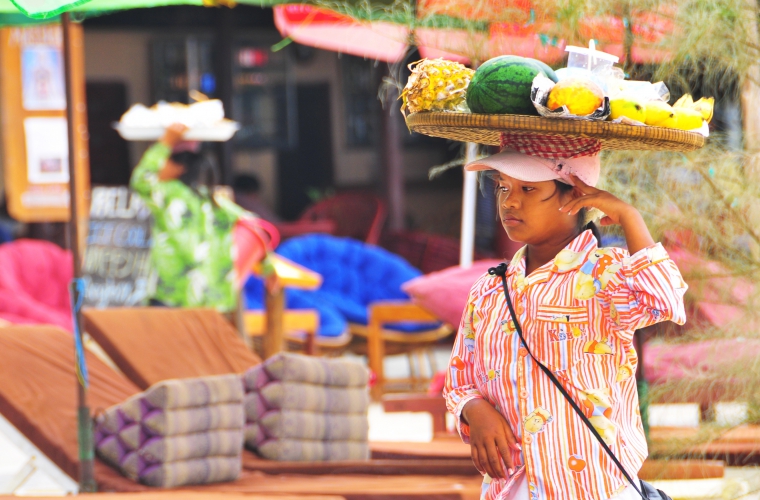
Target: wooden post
750, 102
393, 162
376, 353
225, 32
274, 339
86, 445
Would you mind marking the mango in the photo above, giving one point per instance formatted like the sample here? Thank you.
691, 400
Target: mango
581, 96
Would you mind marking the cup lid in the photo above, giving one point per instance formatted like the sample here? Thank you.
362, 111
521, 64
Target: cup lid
596, 53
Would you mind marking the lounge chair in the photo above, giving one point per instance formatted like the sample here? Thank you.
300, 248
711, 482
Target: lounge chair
38, 397
138, 340
357, 215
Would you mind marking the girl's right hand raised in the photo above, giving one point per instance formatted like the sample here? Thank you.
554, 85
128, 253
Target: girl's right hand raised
173, 134
491, 439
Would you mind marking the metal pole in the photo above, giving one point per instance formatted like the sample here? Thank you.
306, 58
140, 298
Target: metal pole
86, 452
469, 204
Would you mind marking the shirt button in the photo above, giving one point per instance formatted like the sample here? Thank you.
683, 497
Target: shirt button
527, 439
524, 394
523, 352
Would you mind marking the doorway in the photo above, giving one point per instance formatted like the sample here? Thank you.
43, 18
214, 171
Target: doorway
109, 154
308, 168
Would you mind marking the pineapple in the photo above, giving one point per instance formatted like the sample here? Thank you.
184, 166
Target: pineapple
436, 85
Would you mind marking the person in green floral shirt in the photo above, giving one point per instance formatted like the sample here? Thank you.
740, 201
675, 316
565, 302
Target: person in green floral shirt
192, 232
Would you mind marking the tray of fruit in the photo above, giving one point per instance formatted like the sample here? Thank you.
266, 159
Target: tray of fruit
512, 94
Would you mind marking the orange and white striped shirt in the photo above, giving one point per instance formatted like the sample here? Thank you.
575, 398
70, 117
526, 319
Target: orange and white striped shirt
578, 314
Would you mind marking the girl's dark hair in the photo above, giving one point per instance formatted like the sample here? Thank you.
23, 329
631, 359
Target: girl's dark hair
564, 188
199, 171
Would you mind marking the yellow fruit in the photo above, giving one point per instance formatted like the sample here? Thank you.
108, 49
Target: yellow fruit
685, 101
582, 97
705, 107
628, 107
660, 114
687, 118
435, 84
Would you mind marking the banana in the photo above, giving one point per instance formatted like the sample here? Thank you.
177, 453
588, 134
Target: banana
659, 114
705, 107
685, 101
687, 118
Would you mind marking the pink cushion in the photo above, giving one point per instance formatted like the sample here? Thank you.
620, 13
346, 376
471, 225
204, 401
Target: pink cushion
34, 283
444, 293
665, 362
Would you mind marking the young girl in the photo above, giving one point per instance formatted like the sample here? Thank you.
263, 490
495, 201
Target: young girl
578, 306
192, 248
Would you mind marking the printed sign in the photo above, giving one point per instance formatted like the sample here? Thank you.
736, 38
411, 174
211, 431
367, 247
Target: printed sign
34, 147
117, 267
47, 150
43, 85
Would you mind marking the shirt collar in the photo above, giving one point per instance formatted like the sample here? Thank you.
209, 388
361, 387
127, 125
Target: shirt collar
568, 259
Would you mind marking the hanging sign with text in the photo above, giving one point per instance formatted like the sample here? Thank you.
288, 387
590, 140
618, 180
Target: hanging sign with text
117, 267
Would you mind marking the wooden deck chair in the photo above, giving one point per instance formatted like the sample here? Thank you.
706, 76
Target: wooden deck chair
377, 341
358, 215
39, 361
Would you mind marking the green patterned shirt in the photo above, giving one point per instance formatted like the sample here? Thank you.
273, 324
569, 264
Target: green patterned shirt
192, 238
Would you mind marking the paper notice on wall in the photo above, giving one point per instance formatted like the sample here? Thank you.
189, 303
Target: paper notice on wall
42, 78
47, 150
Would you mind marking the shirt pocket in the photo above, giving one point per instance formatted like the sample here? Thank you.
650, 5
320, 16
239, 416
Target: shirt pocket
561, 332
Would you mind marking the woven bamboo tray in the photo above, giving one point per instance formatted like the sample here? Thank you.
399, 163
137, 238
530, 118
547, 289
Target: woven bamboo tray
486, 129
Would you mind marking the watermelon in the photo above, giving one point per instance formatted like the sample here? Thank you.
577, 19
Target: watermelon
548, 71
502, 85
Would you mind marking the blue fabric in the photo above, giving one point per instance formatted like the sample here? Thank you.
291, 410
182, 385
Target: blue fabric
355, 274
331, 322
6, 235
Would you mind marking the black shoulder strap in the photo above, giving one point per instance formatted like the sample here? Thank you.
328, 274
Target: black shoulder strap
501, 270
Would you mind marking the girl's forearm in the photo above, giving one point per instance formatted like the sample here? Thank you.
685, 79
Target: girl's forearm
637, 235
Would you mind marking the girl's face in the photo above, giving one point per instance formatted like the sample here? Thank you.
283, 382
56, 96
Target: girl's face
529, 211
172, 170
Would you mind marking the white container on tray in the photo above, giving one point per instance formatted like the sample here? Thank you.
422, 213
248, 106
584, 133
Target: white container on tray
204, 119
587, 62
219, 132
590, 59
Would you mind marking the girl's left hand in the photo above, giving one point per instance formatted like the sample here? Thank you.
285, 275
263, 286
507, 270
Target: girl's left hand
586, 196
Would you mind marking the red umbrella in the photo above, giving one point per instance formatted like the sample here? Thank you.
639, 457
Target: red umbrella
499, 27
